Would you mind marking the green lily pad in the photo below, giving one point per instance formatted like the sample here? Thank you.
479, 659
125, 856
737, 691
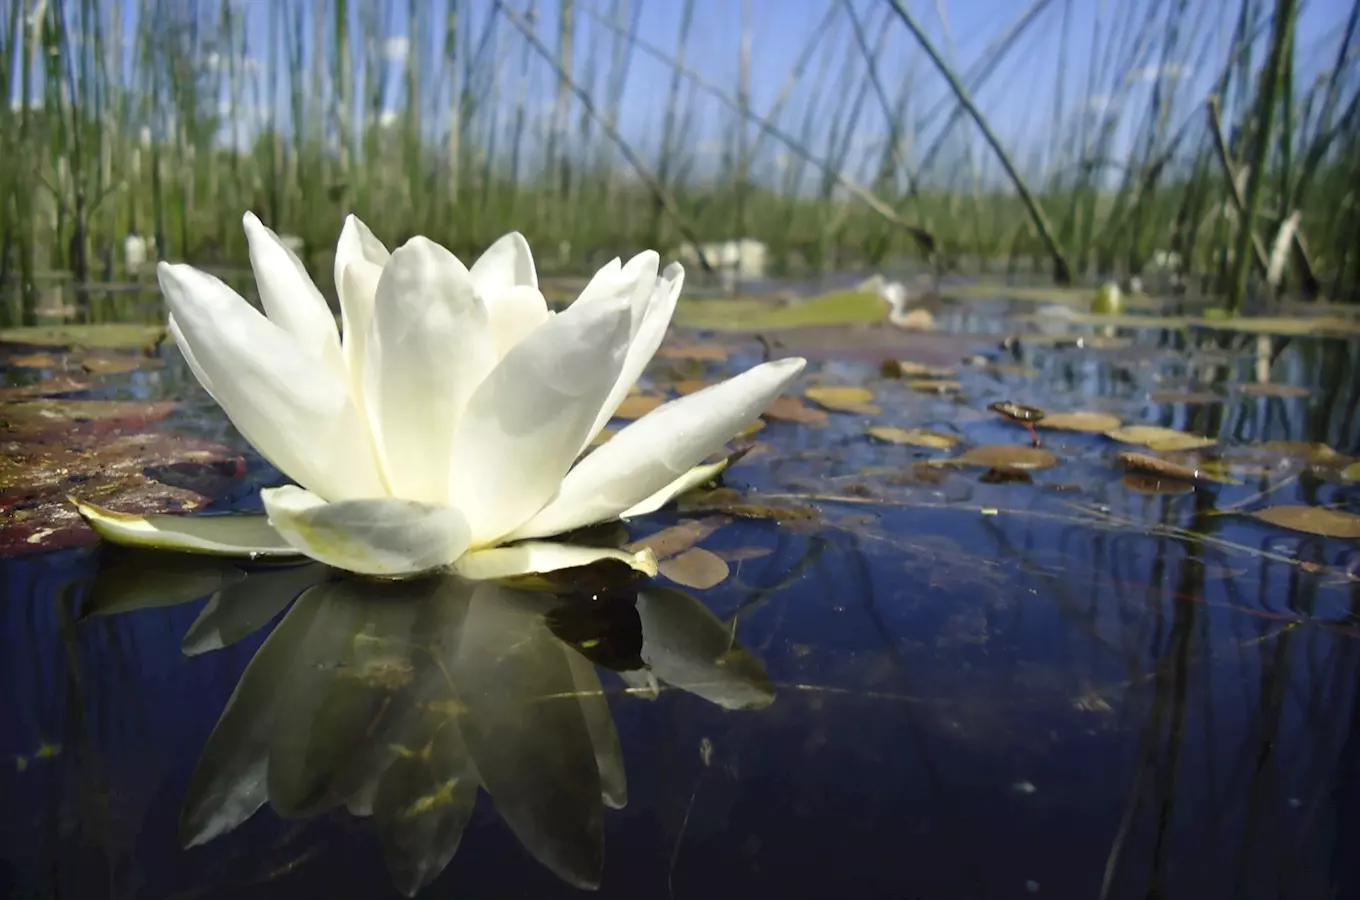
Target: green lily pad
1313, 520
834, 308
113, 336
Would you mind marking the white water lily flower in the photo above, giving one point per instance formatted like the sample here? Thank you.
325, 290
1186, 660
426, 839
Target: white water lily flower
442, 427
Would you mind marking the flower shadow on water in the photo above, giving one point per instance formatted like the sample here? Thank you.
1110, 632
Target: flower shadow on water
399, 700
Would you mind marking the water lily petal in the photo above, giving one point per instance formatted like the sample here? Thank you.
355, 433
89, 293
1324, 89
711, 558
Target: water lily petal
238, 536
685, 483
289, 296
523, 425
384, 536
429, 348
505, 264
280, 396
516, 312
657, 449
650, 319
359, 259
538, 557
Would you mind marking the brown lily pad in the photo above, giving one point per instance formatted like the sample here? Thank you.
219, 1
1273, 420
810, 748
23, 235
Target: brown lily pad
1187, 397
838, 398
1152, 484
903, 368
714, 352
1156, 437
62, 384
1274, 389
934, 385
791, 409
1143, 464
696, 568
1313, 520
635, 406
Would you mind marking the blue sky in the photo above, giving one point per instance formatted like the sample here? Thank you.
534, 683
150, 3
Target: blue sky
1019, 99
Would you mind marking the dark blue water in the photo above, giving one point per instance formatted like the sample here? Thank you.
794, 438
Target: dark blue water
913, 684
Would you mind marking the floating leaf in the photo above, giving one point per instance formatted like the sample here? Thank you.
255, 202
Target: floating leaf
840, 398
1187, 397
917, 320
109, 336
1089, 422
1313, 520
1304, 450
689, 386
111, 364
1151, 484
1165, 468
1156, 437
716, 352
791, 409
62, 384
678, 538
1005, 475
635, 406
741, 554
1006, 456
916, 437
696, 568
733, 503
1273, 389
1351, 473
44, 418
934, 386
902, 368
33, 361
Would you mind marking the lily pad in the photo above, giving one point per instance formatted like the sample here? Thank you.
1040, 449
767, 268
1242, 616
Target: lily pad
1313, 520
916, 437
934, 385
1089, 422
902, 368
62, 384
715, 352
679, 538
1006, 456
791, 409
1156, 437
112, 336
1351, 473
1187, 397
843, 399
1152, 484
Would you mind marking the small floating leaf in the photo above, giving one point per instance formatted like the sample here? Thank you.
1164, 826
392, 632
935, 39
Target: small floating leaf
916, 437
690, 385
1351, 472
1313, 520
635, 406
696, 568
1089, 422
109, 336
791, 409
1273, 389
716, 352
902, 368
33, 361
843, 399
1005, 475
1304, 450
1152, 484
1158, 438
1165, 468
1187, 397
934, 386
1006, 456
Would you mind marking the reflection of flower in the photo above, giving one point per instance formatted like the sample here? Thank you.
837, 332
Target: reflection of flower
372, 697
443, 427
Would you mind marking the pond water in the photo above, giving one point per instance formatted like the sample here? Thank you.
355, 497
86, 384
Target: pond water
865, 672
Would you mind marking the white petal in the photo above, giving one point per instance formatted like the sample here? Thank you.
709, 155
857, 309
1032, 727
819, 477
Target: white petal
290, 406
685, 483
650, 330
505, 264
290, 297
428, 349
359, 258
385, 536
537, 557
237, 536
515, 313
523, 425
657, 449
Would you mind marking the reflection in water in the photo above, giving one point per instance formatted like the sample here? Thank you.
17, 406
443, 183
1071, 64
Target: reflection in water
397, 701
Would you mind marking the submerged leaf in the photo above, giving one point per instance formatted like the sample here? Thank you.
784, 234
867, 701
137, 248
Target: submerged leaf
916, 437
678, 538
696, 568
1313, 520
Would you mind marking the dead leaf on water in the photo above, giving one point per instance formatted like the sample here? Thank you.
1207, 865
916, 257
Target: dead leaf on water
730, 502
791, 409
1165, 468
916, 437
1005, 456
1151, 484
62, 384
33, 361
741, 554
903, 368
1088, 422
1005, 475
714, 352
1156, 437
1273, 389
841, 398
690, 385
635, 406
1313, 520
696, 568
934, 386
1304, 450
